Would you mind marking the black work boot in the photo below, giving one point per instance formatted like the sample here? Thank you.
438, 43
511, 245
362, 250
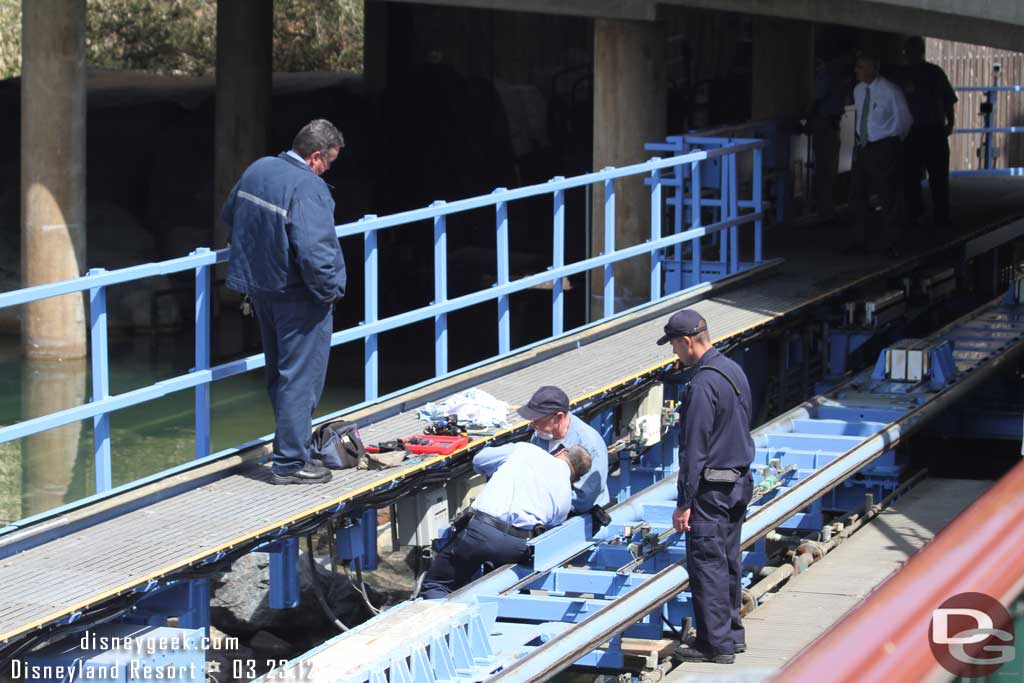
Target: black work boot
689, 653
309, 474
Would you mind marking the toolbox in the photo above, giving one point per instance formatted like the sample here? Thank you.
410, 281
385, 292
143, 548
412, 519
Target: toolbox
433, 444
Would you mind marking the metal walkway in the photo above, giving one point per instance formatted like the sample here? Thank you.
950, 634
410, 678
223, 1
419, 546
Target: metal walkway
814, 600
59, 568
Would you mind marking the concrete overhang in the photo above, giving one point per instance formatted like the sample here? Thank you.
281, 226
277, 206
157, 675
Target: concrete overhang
997, 23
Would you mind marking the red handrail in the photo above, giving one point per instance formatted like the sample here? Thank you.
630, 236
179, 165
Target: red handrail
887, 637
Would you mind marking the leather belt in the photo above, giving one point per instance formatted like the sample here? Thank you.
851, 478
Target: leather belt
505, 527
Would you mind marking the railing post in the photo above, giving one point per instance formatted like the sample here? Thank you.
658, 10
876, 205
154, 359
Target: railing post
100, 383
371, 362
990, 116
677, 217
695, 209
655, 234
734, 213
758, 204
723, 213
501, 245
557, 261
202, 362
609, 245
440, 292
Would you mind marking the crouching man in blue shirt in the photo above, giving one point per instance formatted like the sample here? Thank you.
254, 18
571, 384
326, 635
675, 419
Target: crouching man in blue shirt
714, 486
554, 427
529, 492
285, 256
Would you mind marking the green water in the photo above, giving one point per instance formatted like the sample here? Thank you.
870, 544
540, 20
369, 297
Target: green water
56, 467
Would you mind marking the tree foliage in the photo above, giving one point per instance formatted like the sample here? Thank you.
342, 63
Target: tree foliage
179, 36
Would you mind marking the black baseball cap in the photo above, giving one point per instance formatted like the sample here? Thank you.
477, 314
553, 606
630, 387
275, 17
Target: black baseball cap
685, 323
547, 400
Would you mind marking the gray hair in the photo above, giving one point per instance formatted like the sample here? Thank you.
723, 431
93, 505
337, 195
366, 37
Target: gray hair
579, 460
319, 135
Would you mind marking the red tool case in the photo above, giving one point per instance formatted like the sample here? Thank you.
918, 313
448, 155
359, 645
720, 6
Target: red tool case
436, 445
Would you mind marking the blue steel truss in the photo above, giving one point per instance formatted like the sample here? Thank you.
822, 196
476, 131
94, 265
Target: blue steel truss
657, 172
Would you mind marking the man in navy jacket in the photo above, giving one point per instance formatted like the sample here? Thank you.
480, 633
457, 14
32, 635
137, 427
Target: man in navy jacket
285, 256
714, 486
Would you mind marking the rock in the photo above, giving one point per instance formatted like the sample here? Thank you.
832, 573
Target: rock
240, 603
265, 643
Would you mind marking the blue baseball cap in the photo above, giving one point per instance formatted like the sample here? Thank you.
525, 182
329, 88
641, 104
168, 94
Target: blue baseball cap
685, 323
547, 400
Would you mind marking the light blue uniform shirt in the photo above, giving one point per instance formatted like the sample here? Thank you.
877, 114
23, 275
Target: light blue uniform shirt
591, 489
527, 486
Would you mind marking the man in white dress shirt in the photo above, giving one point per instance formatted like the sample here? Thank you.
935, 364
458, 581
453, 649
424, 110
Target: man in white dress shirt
530, 491
882, 121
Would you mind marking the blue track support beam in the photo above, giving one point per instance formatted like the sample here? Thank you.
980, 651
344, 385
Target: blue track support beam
549, 550
609, 246
440, 292
368, 522
595, 582
198, 613
371, 361
284, 574
202, 361
187, 601
501, 248
100, 384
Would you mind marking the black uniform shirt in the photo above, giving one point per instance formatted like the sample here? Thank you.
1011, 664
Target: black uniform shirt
715, 423
928, 93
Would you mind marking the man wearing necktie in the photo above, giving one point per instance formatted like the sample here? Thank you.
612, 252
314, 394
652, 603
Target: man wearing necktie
883, 120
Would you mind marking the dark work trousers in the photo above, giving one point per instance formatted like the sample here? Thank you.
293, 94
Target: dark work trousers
296, 334
825, 139
713, 563
878, 172
927, 149
473, 545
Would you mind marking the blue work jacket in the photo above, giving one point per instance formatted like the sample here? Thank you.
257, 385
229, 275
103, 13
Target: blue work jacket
281, 216
715, 422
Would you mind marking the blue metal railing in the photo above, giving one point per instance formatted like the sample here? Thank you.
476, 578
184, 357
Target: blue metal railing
199, 378
987, 150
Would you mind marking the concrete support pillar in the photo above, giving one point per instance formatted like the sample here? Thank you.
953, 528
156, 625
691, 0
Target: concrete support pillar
629, 110
53, 173
783, 78
244, 77
48, 458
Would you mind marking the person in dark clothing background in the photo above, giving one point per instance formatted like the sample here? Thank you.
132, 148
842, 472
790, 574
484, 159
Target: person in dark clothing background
931, 100
285, 256
831, 90
714, 486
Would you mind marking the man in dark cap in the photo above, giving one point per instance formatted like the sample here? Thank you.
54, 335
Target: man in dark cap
555, 428
714, 485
